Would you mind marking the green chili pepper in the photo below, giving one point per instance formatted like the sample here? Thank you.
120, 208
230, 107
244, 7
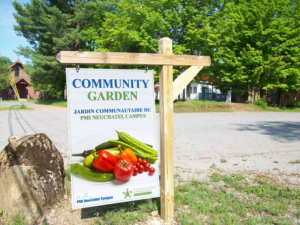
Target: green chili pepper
90, 174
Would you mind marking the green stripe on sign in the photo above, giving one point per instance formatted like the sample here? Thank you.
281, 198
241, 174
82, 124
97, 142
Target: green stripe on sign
143, 193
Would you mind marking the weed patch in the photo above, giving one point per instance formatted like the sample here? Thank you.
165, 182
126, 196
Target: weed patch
295, 162
16, 219
213, 166
237, 202
223, 161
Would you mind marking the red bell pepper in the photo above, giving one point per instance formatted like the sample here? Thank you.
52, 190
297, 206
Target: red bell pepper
123, 170
104, 161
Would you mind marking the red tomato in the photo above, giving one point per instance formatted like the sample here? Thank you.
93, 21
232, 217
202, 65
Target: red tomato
123, 170
146, 167
141, 168
139, 160
135, 171
151, 171
144, 162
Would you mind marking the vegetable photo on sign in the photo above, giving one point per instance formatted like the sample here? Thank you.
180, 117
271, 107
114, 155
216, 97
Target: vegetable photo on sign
100, 165
106, 162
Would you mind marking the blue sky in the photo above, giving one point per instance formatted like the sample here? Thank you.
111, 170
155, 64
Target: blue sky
8, 38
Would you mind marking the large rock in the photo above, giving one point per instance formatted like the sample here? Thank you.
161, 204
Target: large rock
31, 176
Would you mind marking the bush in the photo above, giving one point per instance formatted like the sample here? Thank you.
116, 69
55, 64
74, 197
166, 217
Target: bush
22, 106
295, 103
261, 103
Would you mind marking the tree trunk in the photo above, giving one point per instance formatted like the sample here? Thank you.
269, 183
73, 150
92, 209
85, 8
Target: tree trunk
63, 92
285, 100
188, 92
250, 96
279, 98
261, 92
46, 96
183, 96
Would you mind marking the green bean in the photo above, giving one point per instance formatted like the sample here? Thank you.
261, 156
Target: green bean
90, 174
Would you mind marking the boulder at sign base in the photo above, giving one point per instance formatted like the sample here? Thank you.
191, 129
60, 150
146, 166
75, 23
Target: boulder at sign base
31, 176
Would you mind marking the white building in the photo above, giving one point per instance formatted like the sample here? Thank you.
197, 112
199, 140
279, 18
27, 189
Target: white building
202, 91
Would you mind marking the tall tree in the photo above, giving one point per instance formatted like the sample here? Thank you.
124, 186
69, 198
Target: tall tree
4, 72
137, 26
51, 26
257, 45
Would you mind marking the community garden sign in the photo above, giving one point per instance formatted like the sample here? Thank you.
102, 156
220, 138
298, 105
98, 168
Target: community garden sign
105, 105
169, 90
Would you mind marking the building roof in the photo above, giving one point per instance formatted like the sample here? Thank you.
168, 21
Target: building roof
18, 62
19, 79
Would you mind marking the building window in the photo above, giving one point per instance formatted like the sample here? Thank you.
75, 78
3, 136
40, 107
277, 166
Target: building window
195, 89
16, 72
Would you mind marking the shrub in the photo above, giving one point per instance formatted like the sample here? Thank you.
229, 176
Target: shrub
22, 106
295, 103
261, 103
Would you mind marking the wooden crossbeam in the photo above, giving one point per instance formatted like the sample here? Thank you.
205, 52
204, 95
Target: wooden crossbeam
184, 79
125, 58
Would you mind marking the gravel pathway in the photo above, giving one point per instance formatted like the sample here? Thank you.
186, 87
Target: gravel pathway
245, 140
261, 141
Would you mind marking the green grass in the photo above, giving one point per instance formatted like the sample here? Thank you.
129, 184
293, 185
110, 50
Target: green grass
213, 106
67, 180
52, 102
15, 219
21, 107
213, 166
282, 109
236, 202
295, 162
222, 200
223, 161
198, 106
9, 100
125, 213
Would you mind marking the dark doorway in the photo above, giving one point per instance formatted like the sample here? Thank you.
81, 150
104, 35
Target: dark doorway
204, 92
22, 89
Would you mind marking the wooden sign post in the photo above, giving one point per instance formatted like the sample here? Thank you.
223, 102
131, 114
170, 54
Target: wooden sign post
169, 90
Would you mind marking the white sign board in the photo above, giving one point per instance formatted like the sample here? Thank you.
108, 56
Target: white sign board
101, 101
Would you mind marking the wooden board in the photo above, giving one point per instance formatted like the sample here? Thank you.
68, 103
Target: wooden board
184, 79
124, 58
166, 135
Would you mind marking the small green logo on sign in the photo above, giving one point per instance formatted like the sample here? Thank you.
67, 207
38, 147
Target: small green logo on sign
127, 193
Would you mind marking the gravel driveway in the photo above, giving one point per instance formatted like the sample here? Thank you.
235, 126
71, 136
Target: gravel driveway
261, 141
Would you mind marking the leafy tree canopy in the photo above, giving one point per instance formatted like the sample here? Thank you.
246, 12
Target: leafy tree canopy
254, 45
257, 44
51, 26
4, 72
